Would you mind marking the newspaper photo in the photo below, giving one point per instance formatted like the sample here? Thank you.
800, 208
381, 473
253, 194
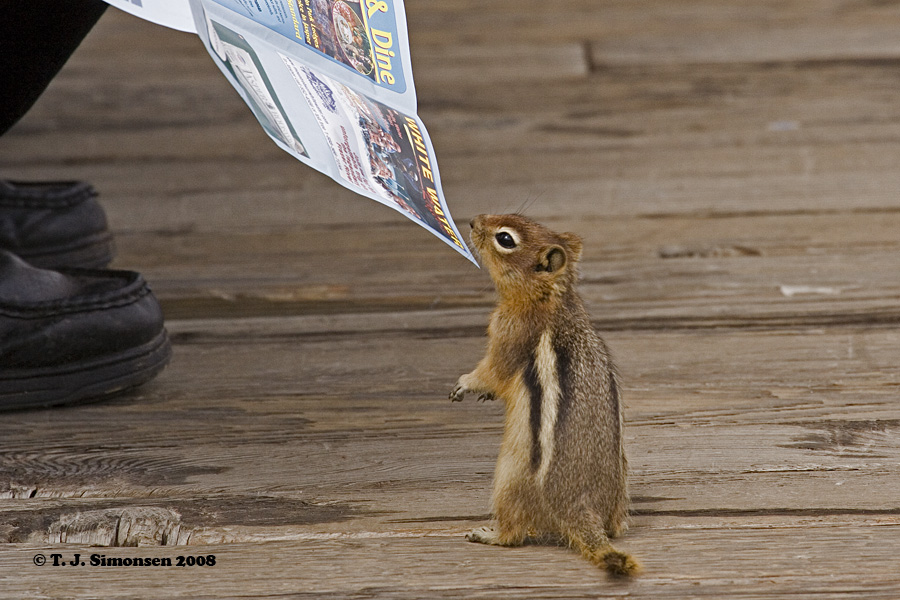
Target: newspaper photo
360, 36
330, 82
375, 147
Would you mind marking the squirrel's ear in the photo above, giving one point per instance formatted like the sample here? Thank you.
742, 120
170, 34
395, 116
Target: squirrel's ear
552, 259
573, 241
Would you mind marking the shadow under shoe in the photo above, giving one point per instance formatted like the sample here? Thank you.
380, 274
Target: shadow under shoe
75, 335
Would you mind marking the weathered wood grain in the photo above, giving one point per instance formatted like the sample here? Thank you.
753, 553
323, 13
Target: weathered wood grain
634, 141
760, 270
718, 432
779, 562
732, 168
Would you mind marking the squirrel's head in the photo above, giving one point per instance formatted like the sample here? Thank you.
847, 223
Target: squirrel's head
524, 258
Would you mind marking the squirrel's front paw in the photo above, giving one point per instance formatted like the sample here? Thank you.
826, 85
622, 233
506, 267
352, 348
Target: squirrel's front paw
458, 393
468, 383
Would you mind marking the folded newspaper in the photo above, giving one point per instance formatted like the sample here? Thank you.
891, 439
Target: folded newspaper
331, 83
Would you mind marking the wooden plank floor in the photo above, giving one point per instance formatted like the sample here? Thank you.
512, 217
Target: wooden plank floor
735, 170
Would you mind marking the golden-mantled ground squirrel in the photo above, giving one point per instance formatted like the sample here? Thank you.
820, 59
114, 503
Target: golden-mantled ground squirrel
561, 470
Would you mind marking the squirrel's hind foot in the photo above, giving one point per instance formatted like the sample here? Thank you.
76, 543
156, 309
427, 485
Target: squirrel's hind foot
482, 535
494, 536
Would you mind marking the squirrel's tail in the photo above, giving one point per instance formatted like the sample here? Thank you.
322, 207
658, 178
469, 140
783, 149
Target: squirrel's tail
616, 563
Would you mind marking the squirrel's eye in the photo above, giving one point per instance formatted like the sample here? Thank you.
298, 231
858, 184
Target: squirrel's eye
505, 240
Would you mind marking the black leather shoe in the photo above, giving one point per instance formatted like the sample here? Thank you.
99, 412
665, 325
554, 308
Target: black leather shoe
75, 335
54, 224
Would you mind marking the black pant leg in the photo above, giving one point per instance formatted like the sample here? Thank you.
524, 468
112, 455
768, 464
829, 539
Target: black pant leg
36, 40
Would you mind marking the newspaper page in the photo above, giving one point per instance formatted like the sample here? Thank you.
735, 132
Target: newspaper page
330, 81
175, 14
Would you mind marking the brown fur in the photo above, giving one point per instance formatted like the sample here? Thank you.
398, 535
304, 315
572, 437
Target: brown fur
562, 468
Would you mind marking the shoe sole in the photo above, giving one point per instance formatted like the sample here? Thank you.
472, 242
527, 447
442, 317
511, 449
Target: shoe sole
87, 381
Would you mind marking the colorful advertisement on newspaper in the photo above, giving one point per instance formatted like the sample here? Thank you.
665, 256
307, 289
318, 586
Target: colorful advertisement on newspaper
378, 150
367, 37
